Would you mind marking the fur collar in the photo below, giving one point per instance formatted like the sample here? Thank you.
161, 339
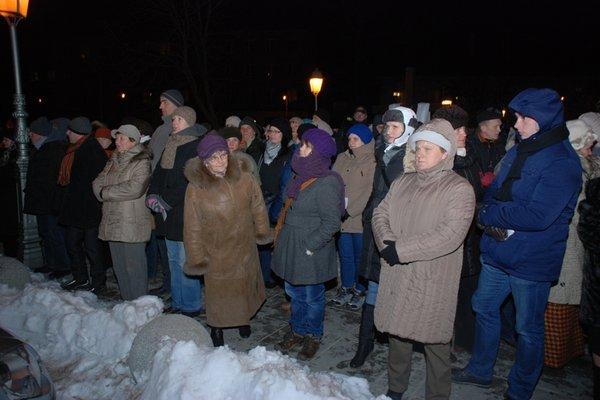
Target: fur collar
198, 174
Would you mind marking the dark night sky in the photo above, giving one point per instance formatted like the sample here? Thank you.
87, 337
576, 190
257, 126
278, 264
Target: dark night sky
449, 38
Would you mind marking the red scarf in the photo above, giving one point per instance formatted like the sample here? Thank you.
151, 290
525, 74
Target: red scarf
64, 176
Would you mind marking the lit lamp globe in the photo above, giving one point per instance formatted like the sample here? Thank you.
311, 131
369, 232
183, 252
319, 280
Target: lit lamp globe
14, 9
316, 82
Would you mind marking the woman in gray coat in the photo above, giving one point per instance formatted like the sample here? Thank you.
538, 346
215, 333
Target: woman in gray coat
419, 228
304, 255
126, 224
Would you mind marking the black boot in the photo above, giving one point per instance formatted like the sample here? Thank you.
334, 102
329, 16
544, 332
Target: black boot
216, 334
366, 336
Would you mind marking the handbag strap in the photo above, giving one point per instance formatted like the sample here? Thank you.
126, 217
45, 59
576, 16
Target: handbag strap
286, 206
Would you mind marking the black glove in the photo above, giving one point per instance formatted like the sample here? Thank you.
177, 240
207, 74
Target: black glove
389, 253
499, 234
345, 216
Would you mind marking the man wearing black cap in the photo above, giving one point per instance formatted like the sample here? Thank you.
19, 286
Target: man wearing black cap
81, 212
488, 143
49, 146
251, 140
169, 101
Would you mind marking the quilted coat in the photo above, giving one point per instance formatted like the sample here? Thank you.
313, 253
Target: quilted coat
224, 218
427, 213
123, 182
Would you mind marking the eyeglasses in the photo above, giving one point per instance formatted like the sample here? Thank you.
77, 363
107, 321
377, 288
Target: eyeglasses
273, 130
220, 156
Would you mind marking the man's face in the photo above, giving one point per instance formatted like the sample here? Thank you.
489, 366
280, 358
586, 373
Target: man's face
247, 132
359, 116
526, 126
461, 137
393, 130
490, 129
233, 143
166, 107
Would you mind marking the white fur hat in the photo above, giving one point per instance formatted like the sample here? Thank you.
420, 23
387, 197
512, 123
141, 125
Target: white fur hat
580, 134
593, 120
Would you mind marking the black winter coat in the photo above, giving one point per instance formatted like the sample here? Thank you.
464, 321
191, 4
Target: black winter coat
42, 193
370, 266
171, 184
468, 168
80, 208
588, 230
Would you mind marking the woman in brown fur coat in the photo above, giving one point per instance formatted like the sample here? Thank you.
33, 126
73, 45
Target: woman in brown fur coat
224, 216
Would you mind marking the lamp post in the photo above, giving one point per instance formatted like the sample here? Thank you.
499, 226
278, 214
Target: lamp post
30, 252
316, 82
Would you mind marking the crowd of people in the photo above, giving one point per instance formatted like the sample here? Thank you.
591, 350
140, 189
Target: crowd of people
437, 233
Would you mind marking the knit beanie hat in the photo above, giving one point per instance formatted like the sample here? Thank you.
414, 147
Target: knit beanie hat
321, 142
437, 131
174, 96
454, 114
362, 131
488, 114
230, 132
580, 134
209, 145
41, 126
233, 120
103, 133
186, 113
81, 126
284, 126
250, 122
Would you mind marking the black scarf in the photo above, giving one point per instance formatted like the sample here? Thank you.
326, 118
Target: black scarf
524, 150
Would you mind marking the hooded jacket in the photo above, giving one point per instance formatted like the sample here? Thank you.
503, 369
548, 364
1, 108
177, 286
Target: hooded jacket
427, 213
543, 198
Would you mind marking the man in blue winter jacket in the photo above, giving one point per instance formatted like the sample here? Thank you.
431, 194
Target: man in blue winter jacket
525, 217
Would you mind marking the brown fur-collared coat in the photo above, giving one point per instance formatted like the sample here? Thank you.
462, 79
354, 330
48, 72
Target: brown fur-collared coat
223, 220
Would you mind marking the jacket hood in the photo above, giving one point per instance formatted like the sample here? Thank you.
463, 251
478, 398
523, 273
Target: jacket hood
543, 105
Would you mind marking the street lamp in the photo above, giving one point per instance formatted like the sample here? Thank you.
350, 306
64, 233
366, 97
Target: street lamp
316, 82
285, 100
30, 252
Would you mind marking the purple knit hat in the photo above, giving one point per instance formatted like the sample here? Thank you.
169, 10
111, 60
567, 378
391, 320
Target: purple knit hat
209, 145
321, 141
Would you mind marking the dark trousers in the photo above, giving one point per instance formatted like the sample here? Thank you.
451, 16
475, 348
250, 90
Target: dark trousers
53, 242
83, 243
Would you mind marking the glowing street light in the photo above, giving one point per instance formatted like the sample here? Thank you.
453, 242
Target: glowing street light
285, 100
316, 82
30, 251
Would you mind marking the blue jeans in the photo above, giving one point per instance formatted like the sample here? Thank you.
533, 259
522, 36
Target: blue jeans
372, 290
186, 294
308, 308
350, 250
530, 299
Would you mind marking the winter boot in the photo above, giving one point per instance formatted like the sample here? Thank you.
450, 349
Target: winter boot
216, 334
366, 336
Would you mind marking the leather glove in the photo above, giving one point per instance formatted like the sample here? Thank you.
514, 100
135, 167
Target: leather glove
499, 234
389, 253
